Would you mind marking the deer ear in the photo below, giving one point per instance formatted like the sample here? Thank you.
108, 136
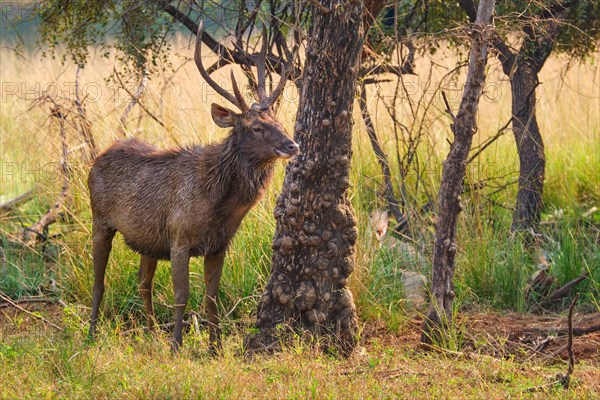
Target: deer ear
223, 117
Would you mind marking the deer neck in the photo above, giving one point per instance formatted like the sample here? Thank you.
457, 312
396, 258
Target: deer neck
231, 172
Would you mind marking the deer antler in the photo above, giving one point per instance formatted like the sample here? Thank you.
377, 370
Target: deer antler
238, 99
278, 90
261, 68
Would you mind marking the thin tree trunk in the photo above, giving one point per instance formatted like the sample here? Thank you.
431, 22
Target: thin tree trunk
439, 316
313, 246
532, 162
390, 198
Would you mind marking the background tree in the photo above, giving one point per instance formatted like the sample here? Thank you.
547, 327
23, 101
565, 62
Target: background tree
528, 33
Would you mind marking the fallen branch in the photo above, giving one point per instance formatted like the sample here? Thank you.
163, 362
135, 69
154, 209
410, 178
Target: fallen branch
565, 289
388, 373
17, 201
52, 324
563, 331
28, 300
194, 321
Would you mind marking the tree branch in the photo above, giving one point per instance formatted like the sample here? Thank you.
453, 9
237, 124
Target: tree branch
226, 54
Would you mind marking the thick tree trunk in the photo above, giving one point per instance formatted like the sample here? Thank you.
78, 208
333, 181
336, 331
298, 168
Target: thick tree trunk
439, 316
313, 246
532, 162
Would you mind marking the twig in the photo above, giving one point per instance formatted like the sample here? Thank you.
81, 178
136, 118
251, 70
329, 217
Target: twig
135, 99
448, 109
85, 127
567, 378
52, 324
161, 326
380, 155
490, 141
236, 304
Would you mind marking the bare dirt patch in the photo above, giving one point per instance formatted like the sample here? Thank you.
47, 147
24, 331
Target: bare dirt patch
523, 337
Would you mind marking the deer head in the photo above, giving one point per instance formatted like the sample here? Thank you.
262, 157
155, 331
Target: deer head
255, 123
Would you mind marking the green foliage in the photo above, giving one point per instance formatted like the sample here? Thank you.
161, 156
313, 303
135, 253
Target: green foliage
78, 24
139, 32
494, 269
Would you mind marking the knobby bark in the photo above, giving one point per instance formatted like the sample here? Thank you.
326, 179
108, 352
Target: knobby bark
464, 126
313, 246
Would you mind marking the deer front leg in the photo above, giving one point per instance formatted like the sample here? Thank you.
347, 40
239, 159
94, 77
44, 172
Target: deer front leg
213, 266
180, 259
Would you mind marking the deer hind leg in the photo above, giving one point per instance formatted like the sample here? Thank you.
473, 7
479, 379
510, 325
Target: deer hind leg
145, 278
180, 273
213, 266
101, 246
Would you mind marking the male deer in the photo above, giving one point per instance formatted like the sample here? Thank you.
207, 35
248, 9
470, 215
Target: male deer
180, 203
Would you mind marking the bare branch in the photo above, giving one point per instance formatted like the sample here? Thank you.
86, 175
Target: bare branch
144, 108
135, 98
85, 127
37, 230
490, 140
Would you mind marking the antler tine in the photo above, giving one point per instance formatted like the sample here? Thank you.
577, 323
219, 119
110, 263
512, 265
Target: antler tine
205, 75
261, 68
278, 90
238, 95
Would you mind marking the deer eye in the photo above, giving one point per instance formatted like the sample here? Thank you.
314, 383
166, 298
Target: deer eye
257, 129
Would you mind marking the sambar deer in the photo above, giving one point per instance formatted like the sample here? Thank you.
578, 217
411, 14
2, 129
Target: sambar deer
180, 203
